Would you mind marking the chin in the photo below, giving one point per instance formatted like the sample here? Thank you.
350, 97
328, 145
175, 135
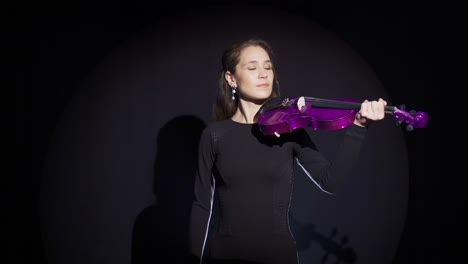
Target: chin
258, 99
260, 96
265, 95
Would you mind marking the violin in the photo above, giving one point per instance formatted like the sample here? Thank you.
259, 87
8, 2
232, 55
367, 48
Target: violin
283, 115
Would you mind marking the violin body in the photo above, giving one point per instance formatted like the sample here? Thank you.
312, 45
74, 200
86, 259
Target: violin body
283, 115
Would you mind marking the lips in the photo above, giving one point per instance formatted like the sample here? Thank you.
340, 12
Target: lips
263, 85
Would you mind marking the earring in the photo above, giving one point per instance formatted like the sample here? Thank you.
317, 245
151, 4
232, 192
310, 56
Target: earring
233, 93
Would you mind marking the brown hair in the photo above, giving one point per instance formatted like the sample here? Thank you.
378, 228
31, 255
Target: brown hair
225, 107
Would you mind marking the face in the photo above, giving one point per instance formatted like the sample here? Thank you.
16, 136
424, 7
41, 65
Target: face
254, 75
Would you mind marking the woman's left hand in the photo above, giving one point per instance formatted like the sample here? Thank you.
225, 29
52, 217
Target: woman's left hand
370, 111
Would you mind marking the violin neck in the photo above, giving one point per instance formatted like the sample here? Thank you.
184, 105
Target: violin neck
328, 103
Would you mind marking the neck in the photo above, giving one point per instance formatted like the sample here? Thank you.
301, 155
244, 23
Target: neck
246, 112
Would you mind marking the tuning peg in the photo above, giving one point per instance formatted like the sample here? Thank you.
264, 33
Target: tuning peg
402, 106
412, 112
409, 128
399, 122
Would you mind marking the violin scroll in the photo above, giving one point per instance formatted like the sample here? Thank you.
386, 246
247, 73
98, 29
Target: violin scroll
413, 119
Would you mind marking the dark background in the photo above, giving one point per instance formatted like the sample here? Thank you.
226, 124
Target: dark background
54, 50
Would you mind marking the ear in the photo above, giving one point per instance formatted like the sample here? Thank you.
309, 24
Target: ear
230, 79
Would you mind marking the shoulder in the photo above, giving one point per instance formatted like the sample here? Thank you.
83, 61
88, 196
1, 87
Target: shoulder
217, 126
216, 129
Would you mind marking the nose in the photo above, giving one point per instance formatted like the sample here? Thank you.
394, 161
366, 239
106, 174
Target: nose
263, 74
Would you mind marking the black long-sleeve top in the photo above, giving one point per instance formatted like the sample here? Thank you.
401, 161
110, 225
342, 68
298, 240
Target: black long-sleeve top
251, 174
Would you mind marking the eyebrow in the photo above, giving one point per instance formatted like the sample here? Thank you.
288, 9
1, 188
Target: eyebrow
254, 61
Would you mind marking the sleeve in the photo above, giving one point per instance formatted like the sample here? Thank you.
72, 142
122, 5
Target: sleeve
328, 174
203, 196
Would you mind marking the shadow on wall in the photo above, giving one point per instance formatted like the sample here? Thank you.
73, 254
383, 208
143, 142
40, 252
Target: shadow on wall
337, 250
161, 230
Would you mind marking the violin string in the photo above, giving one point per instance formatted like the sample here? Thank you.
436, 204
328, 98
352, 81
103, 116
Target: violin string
327, 103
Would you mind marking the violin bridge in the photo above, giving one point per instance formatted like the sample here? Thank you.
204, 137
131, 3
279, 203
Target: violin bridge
301, 104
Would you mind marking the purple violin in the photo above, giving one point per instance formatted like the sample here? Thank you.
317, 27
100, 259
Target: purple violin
284, 114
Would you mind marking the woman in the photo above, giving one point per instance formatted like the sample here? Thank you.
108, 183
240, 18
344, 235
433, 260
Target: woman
251, 174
